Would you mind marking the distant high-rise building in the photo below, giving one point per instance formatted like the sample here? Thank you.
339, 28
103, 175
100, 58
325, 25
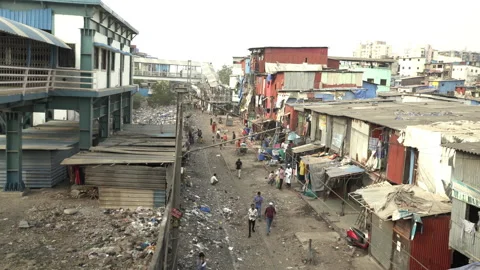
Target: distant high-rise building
424, 51
374, 49
465, 55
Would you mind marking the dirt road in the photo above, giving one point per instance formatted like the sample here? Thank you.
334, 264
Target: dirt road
223, 235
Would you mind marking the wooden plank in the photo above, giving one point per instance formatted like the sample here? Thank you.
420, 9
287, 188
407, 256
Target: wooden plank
126, 169
70, 161
123, 190
127, 176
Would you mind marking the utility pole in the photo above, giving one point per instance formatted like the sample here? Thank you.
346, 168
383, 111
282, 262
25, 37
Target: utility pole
180, 90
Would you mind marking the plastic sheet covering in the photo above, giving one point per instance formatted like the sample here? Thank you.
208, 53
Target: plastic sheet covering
472, 266
385, 200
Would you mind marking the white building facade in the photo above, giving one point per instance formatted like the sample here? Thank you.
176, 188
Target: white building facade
375, 49
412, 66
465, 72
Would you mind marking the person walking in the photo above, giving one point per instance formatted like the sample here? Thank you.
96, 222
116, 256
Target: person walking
214, 180
252, 215
202, 263
288, 176
211, 121
271, 178
258, 199
234, 136
238, 165
225, 138
270, 213
281, 176
214, 127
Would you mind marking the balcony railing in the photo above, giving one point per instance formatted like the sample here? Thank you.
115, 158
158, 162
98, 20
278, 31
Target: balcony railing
164, 74
14, 80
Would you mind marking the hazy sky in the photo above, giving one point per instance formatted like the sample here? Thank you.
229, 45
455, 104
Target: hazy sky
216, 30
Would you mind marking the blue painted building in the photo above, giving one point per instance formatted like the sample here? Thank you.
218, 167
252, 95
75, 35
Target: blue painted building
446, 86
372, 88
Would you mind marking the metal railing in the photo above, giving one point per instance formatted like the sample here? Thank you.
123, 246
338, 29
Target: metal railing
14, 80
165, 74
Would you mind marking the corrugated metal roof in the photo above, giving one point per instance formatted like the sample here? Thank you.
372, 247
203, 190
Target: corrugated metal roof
397, 115
468, 147
23, 30
358, 59
90, 2
273, 68
38, 18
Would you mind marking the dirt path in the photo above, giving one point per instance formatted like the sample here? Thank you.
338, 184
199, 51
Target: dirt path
223, 238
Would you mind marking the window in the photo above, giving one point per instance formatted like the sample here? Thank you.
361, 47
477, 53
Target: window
409, 59
112, 60
403, 59
418, 59
66, 57
439, 66
383, 82
403, 67
306, 60
409, 67
472, 213
418, 68
96, 55
370, 80
104, 59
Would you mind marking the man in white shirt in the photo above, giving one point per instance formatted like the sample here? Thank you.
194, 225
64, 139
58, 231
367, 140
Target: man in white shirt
214, 179
288, 176
252, 215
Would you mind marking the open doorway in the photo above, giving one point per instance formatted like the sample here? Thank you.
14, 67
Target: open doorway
458, 259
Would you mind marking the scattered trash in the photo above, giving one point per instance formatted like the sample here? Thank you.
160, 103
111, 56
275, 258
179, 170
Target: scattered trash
205, 209
71, 211
230, 248
24, 224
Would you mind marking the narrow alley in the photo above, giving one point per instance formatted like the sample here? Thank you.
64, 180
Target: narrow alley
221, 229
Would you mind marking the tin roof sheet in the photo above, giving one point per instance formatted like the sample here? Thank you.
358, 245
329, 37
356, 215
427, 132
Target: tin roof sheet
23, 30
397, 115
306, 148
467, 147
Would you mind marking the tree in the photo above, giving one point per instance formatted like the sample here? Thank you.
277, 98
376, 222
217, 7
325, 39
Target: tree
224, 74
161, 95
137, 100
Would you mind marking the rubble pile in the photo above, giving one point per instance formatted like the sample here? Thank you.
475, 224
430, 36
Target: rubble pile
203, 224
113, 239
155, 116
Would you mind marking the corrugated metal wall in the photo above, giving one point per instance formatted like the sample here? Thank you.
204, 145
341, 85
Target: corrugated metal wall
341, 79
381, 241
431, 247
41, 169
359, 141
299, 80
130, 198
122, 176
467, 244
466, 169
297, 55
38, 18
396, 160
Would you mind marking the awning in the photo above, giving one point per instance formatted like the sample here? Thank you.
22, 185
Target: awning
22, 30
306, 148
110, 48
342, 171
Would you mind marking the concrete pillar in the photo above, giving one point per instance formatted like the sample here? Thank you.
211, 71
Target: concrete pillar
104, 121
86, 55
86, 128
128, 107
118, 114
13, 152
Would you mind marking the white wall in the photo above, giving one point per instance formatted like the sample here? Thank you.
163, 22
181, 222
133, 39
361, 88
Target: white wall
67, 28
411, 66
38, 118
467, 73
126, 72
115, 74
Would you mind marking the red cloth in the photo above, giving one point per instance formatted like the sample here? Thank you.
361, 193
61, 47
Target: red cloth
270, 211
214, 127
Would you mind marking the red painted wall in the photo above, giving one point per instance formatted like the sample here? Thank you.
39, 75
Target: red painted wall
317, 80
291, 56
335, 64
396, 160
431, 247
293, 116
